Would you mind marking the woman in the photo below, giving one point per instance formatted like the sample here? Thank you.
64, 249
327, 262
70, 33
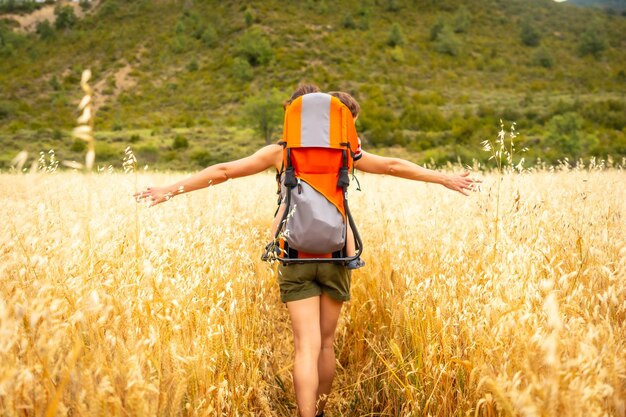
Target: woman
313, 293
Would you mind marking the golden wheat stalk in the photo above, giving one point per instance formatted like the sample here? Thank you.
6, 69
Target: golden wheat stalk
84, 130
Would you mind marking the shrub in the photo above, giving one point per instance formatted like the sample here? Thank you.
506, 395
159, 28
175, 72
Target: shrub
396, 36
209, 36
565, 137
45, 30
109, 7
78, 145
392, 6
242, 70
447, 43
543, 58
264, 113
193, 66
180, 142
201, 157
529, 34
248, 16
436, 29
178, 44
6, 109
462, 20
348, 22
255, 48
592, 42
65, 17
423, 118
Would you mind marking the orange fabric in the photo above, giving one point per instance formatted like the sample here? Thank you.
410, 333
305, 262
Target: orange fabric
311, 165
319, 166
292, 125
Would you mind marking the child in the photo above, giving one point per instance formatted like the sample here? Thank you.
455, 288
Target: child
355, 109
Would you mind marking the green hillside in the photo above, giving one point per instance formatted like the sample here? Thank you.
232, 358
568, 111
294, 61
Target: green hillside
176, 80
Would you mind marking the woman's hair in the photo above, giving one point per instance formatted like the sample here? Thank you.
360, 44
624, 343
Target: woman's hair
300, 91
349, 102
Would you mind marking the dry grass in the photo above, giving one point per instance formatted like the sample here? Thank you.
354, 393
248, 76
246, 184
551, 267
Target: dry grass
110, 310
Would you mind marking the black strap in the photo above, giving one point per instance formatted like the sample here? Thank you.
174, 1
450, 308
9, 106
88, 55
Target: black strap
344, 180
290, 174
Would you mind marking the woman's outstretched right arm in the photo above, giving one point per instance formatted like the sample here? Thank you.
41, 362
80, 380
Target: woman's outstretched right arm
265, 158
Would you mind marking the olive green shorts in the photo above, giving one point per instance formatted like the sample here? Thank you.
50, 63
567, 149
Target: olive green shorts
300, 281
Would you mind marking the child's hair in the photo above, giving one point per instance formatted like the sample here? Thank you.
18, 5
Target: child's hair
300, 91
349, 102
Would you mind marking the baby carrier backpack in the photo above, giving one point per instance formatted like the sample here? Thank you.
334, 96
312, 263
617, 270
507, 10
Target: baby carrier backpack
319, 141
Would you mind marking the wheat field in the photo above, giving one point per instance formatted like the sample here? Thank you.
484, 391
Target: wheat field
468, 306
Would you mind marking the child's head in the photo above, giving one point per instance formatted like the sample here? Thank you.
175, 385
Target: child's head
348, 101
300, 91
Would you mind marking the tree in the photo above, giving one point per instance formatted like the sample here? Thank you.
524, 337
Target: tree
255, 47
592, 42
264, 112
65, 17
447, 43
565, 136
529, 34
396, 36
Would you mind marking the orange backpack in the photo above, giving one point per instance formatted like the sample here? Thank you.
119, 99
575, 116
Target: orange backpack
319, 141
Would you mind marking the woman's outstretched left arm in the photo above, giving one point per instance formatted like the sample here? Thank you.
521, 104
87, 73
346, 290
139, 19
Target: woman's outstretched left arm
261, 160
375, 164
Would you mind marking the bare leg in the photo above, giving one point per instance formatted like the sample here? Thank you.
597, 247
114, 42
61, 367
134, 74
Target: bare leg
350, 244
305, 321
329, 315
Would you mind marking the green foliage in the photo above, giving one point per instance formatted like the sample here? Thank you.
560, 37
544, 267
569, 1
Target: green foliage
462, 20
108, 8
45, 30
592, 42
180, 142
9, 40
565, 137
18, 6
529, 34
193, 66
85, 5
436, 29
6, 109
201, 157
543, 58
392, 5
348, 22
65, 17
196, 64
179, 44
264, 113
426, 118
242, 70
78, 145
447, 43
209, 36
396, 36
248, 16
255, 47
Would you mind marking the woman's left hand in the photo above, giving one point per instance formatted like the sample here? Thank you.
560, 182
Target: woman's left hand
461, 183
